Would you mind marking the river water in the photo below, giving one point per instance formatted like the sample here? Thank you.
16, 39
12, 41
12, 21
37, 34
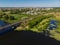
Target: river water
52, 25
2, 23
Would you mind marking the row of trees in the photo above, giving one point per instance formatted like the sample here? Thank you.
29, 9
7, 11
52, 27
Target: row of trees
7, 17
15, 11
37, 20
21, 10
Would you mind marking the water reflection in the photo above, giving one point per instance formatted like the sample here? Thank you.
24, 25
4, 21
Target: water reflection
52, 25
2, 23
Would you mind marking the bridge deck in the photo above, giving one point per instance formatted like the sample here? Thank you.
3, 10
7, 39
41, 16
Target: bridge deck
10, 25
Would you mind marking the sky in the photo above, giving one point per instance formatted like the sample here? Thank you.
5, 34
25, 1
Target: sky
29, 3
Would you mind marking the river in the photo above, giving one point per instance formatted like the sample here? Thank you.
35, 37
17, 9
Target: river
52, 25
2, 23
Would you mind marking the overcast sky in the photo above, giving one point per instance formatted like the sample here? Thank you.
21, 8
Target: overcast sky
29, 3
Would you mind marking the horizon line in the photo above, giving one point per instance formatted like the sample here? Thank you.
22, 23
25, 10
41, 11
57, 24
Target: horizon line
28, 7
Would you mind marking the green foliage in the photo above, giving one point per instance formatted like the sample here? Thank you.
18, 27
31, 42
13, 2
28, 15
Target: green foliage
11, 18
35, 21
4, 10
1, 16
6, 17
15, 11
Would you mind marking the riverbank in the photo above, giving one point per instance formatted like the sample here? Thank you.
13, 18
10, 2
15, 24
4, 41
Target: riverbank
3, 23
56, 32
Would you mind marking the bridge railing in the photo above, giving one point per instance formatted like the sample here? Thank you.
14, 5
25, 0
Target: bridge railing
10, 25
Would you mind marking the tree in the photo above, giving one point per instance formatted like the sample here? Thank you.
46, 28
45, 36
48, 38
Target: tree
4, 10
1, 15
6, 17
16, 11
12, 18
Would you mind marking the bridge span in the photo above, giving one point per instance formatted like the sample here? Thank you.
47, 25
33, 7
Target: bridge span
9, 27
